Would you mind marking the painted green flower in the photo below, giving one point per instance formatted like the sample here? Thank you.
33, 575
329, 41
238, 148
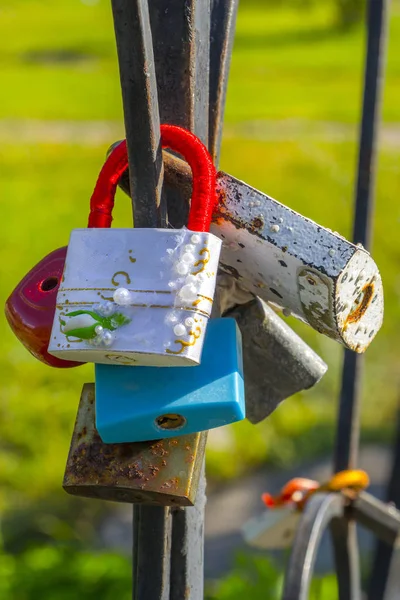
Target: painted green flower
82, 323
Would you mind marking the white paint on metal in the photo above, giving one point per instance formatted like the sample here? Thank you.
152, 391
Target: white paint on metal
298, 265
169, 277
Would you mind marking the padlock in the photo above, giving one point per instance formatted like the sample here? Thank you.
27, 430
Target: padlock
144, 403
31, 306
274, 529
277, 362
291, 261
142, 296
164, 472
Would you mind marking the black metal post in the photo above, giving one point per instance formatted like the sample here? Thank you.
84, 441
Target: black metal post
141, 114
348, 427
152, 525
384, 551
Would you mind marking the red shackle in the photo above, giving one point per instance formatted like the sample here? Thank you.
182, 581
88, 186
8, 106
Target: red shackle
196, 155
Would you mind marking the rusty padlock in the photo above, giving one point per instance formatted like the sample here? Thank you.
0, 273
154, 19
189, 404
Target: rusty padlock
161, 472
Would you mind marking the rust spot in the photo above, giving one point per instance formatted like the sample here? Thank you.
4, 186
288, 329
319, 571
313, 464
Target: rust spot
257, 223
284, 248
170, 484
361, 304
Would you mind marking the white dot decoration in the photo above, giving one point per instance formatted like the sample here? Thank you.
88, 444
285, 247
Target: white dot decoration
182, 268
331, 252
106, 309
180, 329
274, 228
189, 322
99, 329
188, 292
188, 258
122, 297
196, 239
171, 318
191, 279
108, 338
190, 248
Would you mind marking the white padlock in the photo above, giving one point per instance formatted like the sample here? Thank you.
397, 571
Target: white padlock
140, 296
291, 261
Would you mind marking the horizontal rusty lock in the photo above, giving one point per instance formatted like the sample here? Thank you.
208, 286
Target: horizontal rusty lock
161, 472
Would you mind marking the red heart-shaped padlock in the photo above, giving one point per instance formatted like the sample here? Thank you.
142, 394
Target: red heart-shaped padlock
30, 308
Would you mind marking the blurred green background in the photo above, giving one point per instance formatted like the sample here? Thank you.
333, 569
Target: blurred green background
291, 128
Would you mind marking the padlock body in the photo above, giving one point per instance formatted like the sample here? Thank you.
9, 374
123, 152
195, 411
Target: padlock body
169, 276
162, 472
31, 306
291, 261
274, 529
145, 403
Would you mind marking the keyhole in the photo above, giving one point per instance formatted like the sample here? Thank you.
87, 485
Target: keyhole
170, 421
49, 284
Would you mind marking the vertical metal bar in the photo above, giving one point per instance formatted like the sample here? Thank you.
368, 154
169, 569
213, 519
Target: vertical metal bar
181, 34
346, 556
152, 525
139, 95
383, 552
152, 552
181, 37
187, 552
348, 424
181, 31
223, 24
373, 83
344, 535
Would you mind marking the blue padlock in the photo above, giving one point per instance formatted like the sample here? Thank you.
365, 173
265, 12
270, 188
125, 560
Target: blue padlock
136, 404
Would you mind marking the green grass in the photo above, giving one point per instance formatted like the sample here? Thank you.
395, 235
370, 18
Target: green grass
285, 66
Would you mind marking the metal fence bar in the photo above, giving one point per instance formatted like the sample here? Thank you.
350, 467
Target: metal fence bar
181, 38
181, 34
141, 115
383, 554
346, 557
152, 525
152, 552
318, 514
348, 426
223, 24
187, 550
